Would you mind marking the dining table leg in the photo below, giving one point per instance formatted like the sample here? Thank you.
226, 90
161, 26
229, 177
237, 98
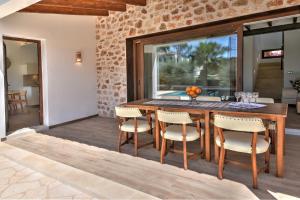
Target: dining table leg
207, 135
280, 146
157, 130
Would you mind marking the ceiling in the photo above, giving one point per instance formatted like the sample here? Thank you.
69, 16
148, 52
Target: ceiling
271, 23
81, 7
8, 7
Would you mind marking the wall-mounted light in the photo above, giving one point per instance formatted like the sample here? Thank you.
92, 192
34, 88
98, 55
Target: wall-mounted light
78, 58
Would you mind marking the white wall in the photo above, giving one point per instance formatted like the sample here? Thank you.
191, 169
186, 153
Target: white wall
2, 99
248, 64
69, 89
291, 56
267, 41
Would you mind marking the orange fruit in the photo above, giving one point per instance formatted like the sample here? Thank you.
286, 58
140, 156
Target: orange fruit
194, 88
192, 93
198, 90
187, 89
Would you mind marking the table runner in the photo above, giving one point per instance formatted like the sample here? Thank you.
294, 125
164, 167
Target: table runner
198, 104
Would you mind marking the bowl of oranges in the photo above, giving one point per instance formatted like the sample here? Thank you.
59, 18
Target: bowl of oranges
193, 91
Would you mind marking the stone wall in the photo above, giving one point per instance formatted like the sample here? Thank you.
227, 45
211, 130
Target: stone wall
158, 15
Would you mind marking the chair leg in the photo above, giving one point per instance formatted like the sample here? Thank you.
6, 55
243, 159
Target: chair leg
254, 170
135, 144
185, 162
120, 140
267, 161
273, 141
221, 163
202, 146
163, 150
127, 137
216, 147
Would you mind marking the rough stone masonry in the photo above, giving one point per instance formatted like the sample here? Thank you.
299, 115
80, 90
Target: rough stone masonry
158, 15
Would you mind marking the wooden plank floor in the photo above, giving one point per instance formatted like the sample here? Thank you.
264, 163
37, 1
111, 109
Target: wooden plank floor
102, 132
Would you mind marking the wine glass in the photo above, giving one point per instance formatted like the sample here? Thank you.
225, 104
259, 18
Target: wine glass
255, 95
237, 96
249, 96
243, 96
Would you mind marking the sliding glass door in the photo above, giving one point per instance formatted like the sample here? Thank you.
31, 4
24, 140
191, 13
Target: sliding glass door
210, 63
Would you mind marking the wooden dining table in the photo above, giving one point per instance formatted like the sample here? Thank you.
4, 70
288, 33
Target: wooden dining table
274, 112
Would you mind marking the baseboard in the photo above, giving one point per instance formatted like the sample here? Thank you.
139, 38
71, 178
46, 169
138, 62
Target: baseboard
72, 121
291, 131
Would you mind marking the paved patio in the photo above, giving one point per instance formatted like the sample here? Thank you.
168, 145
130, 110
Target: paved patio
94, 152
25, 175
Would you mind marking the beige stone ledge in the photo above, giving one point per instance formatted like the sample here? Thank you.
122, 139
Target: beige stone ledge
90, 184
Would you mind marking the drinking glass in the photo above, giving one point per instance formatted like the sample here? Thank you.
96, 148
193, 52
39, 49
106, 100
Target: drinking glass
249, 96
243, 96
237, 96
255, 95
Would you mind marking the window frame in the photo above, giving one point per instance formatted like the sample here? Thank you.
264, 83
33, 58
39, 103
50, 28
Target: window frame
207, 31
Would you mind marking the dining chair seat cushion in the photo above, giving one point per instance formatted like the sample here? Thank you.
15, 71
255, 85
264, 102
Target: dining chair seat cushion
174, 132
241, 142
128, 126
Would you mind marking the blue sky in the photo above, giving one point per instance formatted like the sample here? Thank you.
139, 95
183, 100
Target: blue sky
223, 40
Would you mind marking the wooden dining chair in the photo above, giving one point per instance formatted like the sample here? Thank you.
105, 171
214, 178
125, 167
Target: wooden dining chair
20, 98
270, 124
208, 98
241, 135
129, 122
264, 100
175, 126
10, 101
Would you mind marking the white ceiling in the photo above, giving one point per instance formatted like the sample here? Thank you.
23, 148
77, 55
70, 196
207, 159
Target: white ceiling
8, 7
275, 22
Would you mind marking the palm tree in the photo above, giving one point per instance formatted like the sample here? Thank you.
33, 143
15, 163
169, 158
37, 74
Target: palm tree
209, 57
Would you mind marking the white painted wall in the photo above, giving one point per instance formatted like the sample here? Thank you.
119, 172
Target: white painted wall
267, 41
69, 89
291, 56
248, 64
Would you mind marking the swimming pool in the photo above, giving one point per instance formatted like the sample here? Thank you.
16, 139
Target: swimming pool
183, 93
177, 93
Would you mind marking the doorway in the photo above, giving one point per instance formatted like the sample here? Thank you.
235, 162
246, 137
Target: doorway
263, 64
23, 81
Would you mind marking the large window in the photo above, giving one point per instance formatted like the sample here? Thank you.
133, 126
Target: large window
206, 62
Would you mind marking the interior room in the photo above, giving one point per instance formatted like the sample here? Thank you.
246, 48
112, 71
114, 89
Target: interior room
271, 64
23, 83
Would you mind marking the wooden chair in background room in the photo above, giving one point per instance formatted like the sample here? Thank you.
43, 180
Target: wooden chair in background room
20, 98
129, 122
175, 126
10, 101
241, 135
